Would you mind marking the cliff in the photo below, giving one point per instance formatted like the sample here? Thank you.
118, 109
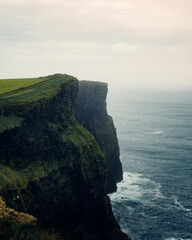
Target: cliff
50, 166
91, 112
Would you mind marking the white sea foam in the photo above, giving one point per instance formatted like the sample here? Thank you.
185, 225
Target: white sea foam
180, 206
137, 188
128, 188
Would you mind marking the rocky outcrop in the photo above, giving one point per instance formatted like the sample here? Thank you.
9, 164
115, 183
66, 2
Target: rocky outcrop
91, 112
21, 226
50, 166
11, 215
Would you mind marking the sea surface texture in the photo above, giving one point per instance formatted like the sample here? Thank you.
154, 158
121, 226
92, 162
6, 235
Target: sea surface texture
154, 201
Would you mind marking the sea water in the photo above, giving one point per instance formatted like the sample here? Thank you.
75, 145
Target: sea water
154, 200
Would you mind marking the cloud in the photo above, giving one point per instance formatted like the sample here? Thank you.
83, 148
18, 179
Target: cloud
145, 17
114, 37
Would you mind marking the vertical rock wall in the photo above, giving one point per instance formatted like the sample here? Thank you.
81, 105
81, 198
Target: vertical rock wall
91, 112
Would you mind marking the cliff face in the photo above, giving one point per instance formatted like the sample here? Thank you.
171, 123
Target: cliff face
50, 166
91, 112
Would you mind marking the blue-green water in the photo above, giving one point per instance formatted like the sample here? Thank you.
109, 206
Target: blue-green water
154, 201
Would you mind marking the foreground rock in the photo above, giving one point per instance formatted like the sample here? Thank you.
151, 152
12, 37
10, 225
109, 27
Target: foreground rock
10, 215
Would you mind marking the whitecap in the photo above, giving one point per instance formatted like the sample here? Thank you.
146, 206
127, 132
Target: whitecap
157, 132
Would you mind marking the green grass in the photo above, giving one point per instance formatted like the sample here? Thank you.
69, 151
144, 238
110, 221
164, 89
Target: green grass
11, 179
46, 88
8, 85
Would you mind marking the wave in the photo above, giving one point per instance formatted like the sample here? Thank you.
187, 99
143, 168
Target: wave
137, 188
139, 202
157, 132
180, 206
128, 188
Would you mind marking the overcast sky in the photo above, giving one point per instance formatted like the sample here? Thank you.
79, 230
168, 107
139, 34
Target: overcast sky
127, 42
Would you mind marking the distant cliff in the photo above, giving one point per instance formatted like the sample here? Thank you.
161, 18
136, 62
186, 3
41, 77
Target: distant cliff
91, 112
50, 166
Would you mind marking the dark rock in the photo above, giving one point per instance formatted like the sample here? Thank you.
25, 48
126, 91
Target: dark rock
91, 112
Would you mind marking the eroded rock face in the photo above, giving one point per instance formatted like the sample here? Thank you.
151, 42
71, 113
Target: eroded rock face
91, 112
55, 166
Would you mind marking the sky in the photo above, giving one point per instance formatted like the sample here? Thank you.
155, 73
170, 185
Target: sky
122, 42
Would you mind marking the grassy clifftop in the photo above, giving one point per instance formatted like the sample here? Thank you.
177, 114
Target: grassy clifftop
8, 85
19, 92
18, 95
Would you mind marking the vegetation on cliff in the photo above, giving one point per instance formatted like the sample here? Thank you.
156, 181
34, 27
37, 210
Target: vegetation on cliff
11, 215
22, 226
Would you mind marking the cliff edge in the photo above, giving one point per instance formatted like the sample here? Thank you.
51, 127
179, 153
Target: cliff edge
50, 166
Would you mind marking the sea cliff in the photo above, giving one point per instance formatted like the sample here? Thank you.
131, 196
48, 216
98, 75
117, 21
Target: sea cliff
51, 167
91, 112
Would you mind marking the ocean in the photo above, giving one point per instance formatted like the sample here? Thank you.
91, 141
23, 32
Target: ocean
154, 129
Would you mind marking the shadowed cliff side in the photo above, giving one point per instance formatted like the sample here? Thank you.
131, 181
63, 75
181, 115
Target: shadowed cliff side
91, 112
50, 166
